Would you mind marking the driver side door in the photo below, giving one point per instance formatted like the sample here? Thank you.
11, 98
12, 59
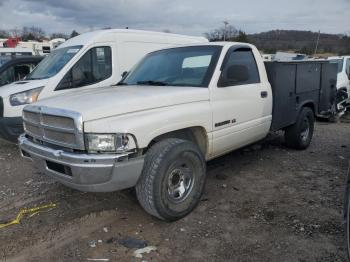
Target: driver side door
92, 68
241, 103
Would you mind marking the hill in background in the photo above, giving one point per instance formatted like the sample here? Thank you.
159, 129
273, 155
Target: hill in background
300, 42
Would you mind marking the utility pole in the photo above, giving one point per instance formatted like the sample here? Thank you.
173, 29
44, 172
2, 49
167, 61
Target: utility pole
318, 39
225, 23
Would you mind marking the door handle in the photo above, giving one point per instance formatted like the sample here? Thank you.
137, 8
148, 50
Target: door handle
263, 94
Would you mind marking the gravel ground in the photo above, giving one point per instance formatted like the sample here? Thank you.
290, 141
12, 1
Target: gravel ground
261, 203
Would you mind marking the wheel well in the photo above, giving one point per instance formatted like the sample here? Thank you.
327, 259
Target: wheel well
311, 106
196, 134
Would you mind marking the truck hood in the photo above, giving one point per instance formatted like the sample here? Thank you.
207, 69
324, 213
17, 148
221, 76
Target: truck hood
104, 102
21, 86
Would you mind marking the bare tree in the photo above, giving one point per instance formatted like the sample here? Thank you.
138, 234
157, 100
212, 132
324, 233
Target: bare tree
226, 32
16, 32
32, 33
59, 35
4, 34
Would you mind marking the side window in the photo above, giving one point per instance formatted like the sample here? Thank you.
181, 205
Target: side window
7, 76
95, 66
21, 70
239, 69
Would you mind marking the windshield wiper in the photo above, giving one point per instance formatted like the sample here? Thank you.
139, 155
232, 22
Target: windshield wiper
35, 78
152, 83
121, 84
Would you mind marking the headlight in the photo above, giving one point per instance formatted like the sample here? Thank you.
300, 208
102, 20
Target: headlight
119, 143
26, 97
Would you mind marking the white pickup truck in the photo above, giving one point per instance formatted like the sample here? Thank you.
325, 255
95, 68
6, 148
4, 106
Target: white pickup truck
90, 60
178, 108
343, 81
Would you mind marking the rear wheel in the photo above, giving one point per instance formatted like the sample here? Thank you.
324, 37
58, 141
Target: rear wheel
172, 179
299, 135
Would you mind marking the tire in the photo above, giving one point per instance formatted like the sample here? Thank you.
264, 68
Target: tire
299, 135
172, 179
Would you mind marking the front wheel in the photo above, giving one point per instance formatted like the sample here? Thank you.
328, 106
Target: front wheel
299, 135
172, 180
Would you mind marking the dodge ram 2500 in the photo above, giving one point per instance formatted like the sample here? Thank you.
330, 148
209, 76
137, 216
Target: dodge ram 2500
178, 108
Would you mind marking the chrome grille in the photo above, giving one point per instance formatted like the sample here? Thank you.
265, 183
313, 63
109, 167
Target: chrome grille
57, 121
55, 126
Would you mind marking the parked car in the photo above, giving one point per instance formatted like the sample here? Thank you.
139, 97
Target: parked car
15, 69
89, 60
178, 108
343, 81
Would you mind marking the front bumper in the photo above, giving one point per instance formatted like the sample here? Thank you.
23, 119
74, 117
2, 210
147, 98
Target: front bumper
11, 128
85, 172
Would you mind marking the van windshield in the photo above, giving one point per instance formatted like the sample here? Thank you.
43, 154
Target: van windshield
53, 63
339, 62
181, 66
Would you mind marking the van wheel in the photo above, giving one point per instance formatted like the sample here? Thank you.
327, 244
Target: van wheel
172, 179
299, 135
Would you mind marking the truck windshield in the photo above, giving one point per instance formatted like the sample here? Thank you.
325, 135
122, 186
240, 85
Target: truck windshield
181, 66
53, 63
339, 62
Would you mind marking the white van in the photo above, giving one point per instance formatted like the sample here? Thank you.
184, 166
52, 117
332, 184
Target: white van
89, 60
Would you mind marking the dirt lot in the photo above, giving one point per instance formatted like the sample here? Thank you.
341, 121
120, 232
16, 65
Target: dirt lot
263, 203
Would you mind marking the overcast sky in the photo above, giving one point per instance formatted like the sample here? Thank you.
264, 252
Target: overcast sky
179, 16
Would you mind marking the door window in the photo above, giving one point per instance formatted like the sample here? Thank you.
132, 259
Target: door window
95, 66
239, 69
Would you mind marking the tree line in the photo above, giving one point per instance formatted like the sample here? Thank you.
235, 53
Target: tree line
285, 40
269, 42
34, 33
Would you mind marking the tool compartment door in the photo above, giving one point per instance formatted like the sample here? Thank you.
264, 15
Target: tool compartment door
308, 77
282, 77
328, 91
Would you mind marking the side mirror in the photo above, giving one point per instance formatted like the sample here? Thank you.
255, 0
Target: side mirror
234, 74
